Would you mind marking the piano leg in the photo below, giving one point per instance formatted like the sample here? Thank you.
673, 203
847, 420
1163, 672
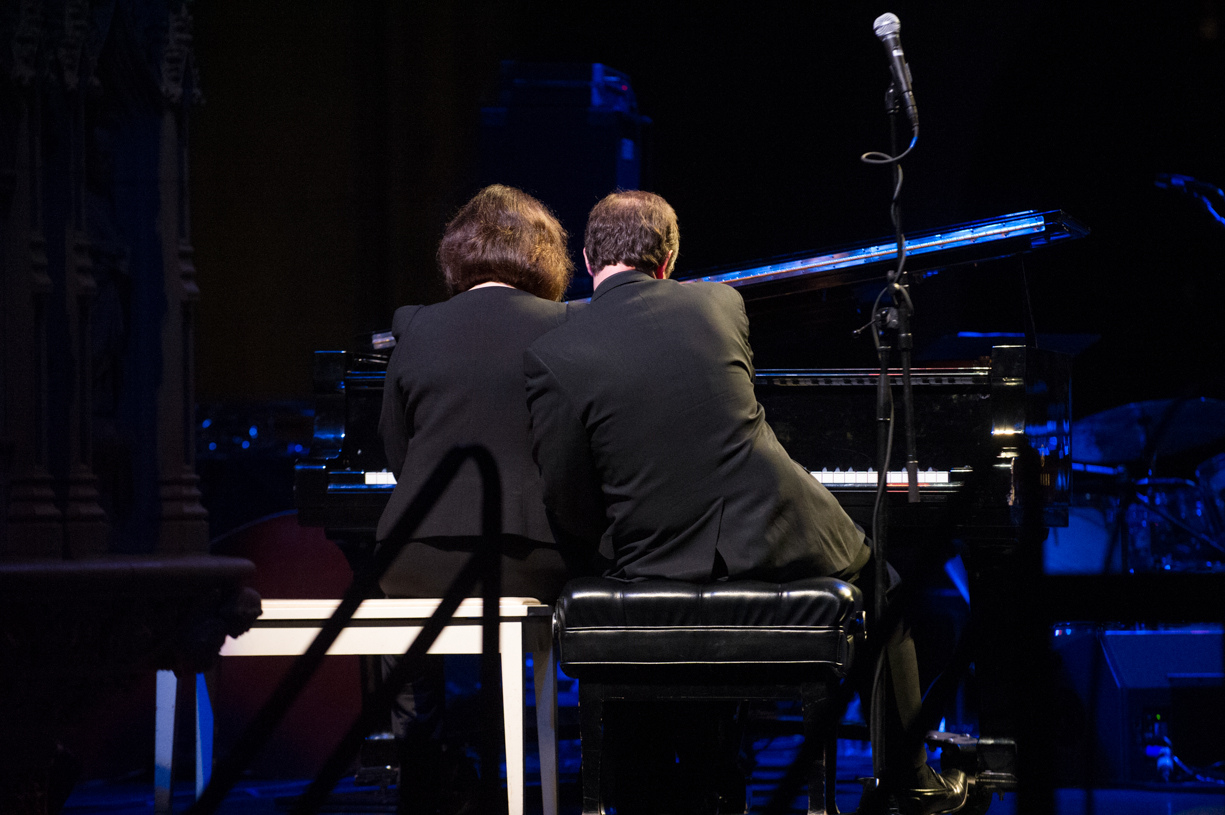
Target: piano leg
995, 618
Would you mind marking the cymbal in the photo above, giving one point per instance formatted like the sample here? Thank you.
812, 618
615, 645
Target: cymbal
1129, 432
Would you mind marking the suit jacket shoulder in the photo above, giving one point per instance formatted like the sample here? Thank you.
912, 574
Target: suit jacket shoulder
403, 317
456, 377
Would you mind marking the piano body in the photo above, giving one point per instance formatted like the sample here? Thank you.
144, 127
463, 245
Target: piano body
972, 423
970, 416
985, 428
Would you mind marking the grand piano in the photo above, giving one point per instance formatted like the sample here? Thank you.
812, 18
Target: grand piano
973, 417
993, 431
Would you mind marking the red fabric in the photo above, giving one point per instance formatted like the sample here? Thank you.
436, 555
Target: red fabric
291, 561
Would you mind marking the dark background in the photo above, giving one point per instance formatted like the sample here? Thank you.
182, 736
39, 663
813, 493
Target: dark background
336, 139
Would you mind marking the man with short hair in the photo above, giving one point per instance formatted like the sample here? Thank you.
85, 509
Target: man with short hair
651, 442
645, 399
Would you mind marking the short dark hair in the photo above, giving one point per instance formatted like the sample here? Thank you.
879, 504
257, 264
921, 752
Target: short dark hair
504, 235
632, 227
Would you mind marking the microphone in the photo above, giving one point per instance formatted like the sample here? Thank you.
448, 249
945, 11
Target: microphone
887, 28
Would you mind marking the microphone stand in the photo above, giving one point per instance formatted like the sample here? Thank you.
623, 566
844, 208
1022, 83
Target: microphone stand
905, 341
883, 320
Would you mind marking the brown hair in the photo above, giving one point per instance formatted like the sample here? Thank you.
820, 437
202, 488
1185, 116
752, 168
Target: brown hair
504, 235
632, 227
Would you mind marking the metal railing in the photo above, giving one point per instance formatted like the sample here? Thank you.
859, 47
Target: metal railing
484, 567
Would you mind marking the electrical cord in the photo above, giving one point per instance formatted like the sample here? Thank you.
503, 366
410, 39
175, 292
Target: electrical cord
876, 157
1192, 771
881, 319
882, 478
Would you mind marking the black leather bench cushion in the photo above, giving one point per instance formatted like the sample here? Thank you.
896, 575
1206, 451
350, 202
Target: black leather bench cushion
665, 622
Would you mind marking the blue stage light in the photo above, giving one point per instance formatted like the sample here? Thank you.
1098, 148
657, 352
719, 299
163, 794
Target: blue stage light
1010, 226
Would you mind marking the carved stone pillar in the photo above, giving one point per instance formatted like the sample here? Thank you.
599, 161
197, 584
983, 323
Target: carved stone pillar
33, 523
85, 526
184, 521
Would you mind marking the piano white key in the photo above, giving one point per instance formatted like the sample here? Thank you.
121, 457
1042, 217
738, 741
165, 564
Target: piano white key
861, 478
381, 477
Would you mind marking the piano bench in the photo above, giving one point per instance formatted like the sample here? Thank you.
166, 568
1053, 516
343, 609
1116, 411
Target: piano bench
736, 640
287, 628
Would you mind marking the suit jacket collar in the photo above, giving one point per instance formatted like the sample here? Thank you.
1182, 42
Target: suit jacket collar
619, 279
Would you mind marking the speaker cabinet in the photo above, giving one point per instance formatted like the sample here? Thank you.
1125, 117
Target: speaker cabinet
1123, 693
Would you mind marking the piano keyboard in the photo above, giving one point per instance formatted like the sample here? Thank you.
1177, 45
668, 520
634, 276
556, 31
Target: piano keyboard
837, 478
862, 478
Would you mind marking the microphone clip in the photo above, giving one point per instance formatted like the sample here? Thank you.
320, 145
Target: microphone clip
893, 100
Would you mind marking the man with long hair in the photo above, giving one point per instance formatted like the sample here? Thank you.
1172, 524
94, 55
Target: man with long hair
456, 378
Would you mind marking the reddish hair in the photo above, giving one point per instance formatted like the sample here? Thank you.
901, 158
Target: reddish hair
504, 235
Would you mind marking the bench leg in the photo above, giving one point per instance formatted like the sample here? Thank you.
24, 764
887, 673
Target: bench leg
817, 728
545, 682
163, 742
591, 743
512, 713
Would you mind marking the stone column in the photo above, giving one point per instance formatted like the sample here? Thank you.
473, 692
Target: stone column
184, 522
85, 526
33, 523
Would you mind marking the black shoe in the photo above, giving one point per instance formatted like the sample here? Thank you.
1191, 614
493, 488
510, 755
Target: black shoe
933, 794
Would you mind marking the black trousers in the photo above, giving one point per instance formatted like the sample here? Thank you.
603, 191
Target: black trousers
430, 771
679, 757
907, 755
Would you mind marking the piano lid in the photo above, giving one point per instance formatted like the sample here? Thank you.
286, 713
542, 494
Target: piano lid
925, 250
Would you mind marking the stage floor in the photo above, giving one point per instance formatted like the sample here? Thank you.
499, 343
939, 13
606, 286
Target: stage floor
275, 797
773, 733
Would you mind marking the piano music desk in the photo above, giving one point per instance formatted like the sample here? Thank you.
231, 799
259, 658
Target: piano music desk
287, 627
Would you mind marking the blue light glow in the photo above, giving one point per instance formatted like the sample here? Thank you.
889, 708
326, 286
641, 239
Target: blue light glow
989, 334
1095, 468
253, 432
212, 445
206, 423
1010, 226
1200, 190
246, 444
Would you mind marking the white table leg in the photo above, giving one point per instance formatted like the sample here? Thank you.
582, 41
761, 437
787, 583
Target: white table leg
512, 711
163, 741
545, 681
204, 735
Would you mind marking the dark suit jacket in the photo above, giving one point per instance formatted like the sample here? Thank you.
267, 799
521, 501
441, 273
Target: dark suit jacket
456, 377
650, 438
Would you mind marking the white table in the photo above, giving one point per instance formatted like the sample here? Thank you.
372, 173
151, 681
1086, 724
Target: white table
287, 627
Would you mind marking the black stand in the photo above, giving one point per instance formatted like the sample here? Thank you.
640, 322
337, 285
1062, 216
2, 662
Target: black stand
901, 297
880, 548
884, 320
896, 318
